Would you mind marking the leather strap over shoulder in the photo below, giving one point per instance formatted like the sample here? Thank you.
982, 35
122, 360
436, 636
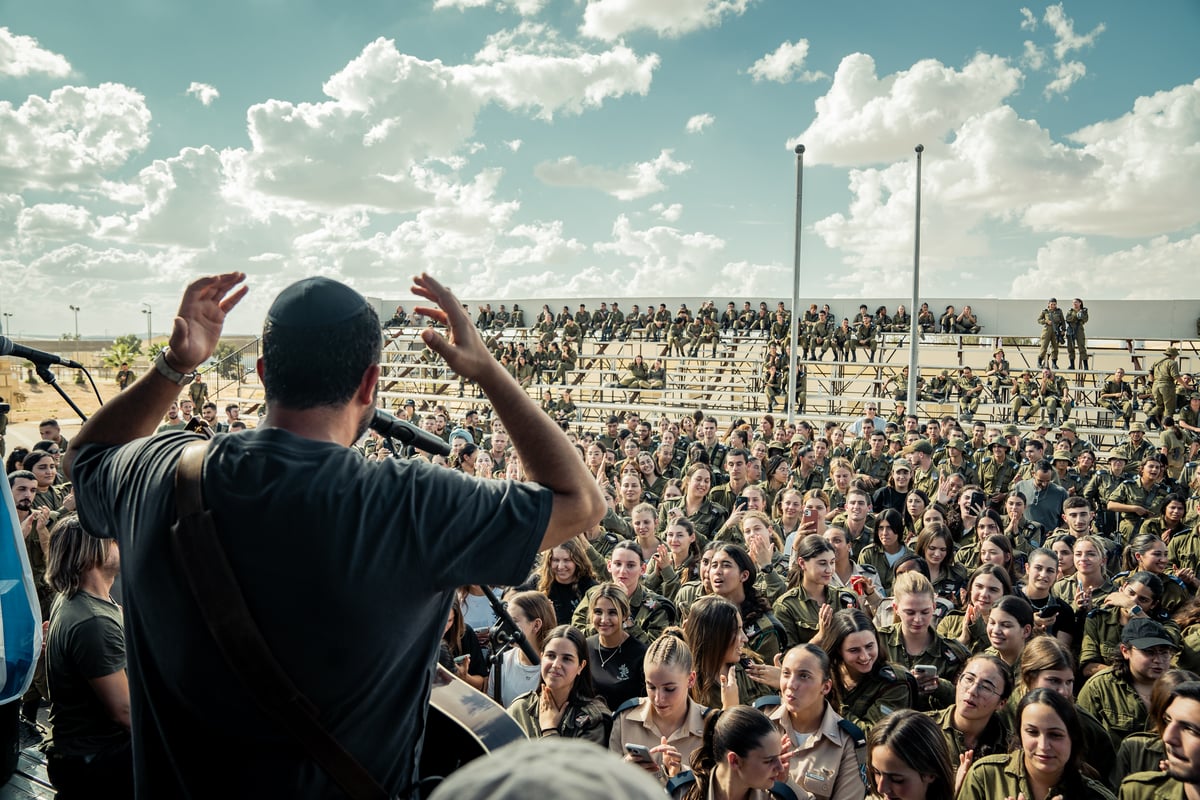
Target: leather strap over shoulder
201, 558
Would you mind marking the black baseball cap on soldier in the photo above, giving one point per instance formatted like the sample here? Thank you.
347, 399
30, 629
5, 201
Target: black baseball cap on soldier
316, 303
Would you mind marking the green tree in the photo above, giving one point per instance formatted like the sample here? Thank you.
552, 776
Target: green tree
227, 361
120, 353
155, 349
131, 341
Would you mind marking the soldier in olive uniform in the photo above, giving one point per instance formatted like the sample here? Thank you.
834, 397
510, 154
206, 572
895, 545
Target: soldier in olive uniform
1136, 449
1165, 376
997, 471
1117, 396
844, 342
938, 388
864, 335
1076, 318
1181, 746
821, 335
1139, 498
998, 378
1112, 695
970, 390
799, 615
1053, 326
1025, 394
649, 614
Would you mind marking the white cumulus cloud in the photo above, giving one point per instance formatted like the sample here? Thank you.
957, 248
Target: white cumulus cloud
22, 55
1065, 77
670, 213
1074, 266
785, 64
72, 137
526, 8
1028, 20
513, 144
661, 255
864, 118
629, 182
698, 123
389, 112
1065, 38
611, 19
203, 92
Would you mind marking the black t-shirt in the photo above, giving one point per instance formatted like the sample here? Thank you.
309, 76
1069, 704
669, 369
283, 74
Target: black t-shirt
86, 641
618, 674
348, 567
565, 598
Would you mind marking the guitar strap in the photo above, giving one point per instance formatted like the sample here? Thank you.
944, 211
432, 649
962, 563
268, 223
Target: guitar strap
201, 558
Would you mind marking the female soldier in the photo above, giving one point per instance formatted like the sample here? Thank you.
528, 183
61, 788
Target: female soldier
714, 633
908, 759
1047, 663
887, 548
869, 687
706, 516
564, 575
666, 721
1138, 597
1120, 696
741, 758
973, 723
806, 608
1148, 553
912, 641
615, 657
732, 575
936, 546
676, 561
1049, 762
823, 757
1009, 626
565, 703
985, 586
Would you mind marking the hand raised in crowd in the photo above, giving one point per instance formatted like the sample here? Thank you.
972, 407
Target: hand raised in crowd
766, 673
964, 766
964, 637
759, 548
462, 347
661, 557
729, 688
549, 713
1083, 598
197, 327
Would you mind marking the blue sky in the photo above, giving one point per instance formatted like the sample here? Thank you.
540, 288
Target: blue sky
592, 148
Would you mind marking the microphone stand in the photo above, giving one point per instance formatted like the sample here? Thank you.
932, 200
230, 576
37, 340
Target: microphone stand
506, 631
47, 376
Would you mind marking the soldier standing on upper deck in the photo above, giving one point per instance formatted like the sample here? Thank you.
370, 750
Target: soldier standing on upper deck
1076, 318
1053, 325
1165, 376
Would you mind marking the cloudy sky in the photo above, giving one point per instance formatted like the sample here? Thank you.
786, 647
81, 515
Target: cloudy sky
591, 148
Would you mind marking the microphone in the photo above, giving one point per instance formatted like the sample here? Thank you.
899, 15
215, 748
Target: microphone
40, 357
388, 425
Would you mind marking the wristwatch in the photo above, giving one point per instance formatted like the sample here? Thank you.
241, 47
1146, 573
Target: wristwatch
1135, 610
169, 372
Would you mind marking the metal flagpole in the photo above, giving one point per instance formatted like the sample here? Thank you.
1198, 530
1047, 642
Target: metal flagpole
916, 294
794, 334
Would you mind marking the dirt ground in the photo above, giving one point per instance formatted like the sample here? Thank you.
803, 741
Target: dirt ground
42, 402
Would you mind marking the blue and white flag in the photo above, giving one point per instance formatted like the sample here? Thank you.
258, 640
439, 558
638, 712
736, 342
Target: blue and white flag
20, 615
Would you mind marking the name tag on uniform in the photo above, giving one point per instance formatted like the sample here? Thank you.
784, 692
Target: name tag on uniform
821, 774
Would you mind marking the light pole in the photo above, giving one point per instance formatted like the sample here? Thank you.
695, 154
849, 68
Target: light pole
149, 317
8, 323
76, 309
793, 363
916, 294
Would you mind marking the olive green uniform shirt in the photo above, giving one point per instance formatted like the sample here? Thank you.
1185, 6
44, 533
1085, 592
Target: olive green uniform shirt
999, 776
1111, 699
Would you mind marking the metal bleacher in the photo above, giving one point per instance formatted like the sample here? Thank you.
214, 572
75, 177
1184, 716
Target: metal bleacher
728, 385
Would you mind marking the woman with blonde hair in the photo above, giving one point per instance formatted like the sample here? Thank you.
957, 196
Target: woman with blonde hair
666, 721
